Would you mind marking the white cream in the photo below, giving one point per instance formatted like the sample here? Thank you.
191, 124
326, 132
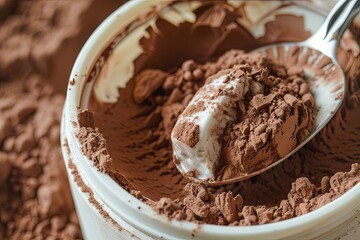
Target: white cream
119, 68
212, 119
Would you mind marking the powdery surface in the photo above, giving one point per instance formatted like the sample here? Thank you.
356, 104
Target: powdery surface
39, 41
207, 205
231, 204
35, 202
274, 116
138, 130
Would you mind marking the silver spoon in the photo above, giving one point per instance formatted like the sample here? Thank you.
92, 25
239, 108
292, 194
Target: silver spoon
315, 55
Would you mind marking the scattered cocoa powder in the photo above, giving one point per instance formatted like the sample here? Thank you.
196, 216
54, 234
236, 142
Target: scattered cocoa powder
268, 124
223, 208
35, 202
139, 138
35, 199
84, 188
93, 144
265, 198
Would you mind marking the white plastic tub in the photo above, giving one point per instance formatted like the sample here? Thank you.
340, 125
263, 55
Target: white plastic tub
107, 211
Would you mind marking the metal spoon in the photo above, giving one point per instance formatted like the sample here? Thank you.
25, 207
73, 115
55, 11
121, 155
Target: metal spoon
317, 57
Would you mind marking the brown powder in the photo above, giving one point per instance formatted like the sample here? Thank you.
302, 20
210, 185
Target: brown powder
187, 133
203, 205
86, 119
270, 124
206, 209
35, 199
85, 189
134, 143
93, 145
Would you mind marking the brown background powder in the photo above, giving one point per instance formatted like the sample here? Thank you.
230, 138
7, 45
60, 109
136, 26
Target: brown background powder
39, 41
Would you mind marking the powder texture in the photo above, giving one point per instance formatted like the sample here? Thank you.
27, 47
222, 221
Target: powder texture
138, 134
187, 133
275, 114
35, 198
39, 41
93, 145
271, 124
225, 208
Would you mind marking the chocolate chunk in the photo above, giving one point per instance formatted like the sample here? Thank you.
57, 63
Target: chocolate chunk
188, 76
260, 129
197, 206
86, 118
260, 101
291, 100
146, 83
198, 74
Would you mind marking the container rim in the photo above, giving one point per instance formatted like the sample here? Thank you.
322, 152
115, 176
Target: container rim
117, 198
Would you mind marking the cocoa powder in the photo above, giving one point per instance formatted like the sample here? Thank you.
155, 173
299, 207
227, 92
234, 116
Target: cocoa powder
138, 141
93, 145
35, 199
218, 205
269, 123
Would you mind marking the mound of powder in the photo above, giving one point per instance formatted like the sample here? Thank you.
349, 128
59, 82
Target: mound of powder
234, 204
225, 208
35, 199
137, 128
256, 115
35, 202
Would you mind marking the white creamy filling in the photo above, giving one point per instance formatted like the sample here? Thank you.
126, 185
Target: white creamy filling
212, 119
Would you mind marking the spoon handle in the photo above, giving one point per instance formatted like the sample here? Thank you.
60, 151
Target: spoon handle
327, 37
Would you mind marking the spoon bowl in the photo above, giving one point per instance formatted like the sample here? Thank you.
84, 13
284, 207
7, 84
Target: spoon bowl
327, 84
316, 58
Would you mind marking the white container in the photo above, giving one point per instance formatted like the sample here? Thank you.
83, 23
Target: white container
129, 218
